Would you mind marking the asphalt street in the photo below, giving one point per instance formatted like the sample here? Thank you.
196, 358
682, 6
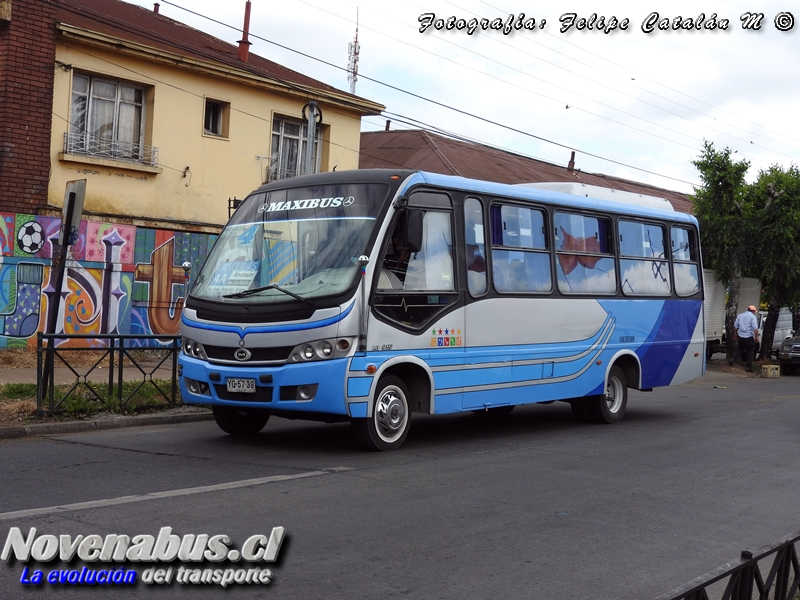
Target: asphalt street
534, 505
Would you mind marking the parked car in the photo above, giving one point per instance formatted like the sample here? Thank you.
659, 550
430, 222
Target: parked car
783, 329
789, 355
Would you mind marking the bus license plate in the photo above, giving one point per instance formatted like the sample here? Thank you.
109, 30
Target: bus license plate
246, 386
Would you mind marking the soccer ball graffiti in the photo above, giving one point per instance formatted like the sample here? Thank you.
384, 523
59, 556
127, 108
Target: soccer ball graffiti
30, 237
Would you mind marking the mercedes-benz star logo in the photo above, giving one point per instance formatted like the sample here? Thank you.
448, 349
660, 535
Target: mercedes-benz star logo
348, 201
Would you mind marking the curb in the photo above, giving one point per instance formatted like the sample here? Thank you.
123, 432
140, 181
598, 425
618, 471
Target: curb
13, 432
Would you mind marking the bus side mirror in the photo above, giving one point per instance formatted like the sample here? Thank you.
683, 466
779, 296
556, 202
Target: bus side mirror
414, 230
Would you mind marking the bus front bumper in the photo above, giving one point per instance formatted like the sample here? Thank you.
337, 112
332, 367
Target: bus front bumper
316, 387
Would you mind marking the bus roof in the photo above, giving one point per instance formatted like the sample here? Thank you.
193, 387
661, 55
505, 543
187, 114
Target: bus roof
602, 193
570, 195
592, 197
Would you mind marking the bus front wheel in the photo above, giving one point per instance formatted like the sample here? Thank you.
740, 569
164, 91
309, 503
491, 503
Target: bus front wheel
387, 428
240, 421
610, 406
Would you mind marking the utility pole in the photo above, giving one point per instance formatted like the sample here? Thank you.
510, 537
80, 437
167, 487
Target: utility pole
70, 224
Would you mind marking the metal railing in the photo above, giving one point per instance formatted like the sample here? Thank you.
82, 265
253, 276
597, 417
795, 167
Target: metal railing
123, 358
744, 576
276, 174
86, 144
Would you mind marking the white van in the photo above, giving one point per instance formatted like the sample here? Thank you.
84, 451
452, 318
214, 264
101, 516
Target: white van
783, 328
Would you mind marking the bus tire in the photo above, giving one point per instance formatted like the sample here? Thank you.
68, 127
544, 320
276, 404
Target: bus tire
610, 407
387, 428
240, 421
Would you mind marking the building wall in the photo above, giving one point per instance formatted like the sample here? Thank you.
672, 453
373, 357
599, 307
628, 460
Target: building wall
140, 223
218, 168
27, 49
120, 279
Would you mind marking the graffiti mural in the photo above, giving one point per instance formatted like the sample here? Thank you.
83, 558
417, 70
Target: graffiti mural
119, 279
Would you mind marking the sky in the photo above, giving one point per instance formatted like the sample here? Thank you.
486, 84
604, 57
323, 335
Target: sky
631, 99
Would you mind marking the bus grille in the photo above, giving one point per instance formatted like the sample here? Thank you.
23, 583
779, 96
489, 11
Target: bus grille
280, 353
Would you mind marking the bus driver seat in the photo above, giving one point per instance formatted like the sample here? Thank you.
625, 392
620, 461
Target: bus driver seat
389, 281
432, 267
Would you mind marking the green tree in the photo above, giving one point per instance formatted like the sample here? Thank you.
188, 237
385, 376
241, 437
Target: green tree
775, 197
725, 217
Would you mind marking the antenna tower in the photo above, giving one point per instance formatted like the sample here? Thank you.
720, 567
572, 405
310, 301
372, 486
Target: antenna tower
352, 60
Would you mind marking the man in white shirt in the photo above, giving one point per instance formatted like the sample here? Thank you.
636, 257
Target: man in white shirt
746, 326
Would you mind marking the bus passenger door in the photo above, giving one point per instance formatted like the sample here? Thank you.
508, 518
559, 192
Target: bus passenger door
416, 297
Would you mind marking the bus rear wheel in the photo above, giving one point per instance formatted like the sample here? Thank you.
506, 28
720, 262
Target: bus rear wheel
240, 421
387, 428
610, 406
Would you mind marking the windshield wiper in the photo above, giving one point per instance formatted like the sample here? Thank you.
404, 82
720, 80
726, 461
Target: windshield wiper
271, 286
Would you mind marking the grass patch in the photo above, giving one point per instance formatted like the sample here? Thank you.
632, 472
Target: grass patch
17, 391
76, 407
82, 402
135, 397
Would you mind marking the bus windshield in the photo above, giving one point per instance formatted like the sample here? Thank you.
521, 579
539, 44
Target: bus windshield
292, 244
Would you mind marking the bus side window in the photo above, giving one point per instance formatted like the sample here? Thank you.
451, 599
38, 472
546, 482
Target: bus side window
395, 260
520, 249
684, 256
644, 268
475, 246
584, 254
431, 268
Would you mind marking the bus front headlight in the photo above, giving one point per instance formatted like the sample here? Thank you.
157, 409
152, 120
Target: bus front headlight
325, 349
193, 349
321, 350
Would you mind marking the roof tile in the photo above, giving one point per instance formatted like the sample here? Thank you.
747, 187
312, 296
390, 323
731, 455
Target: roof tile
417, 149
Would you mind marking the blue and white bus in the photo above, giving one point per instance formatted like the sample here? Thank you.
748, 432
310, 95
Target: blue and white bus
366, 296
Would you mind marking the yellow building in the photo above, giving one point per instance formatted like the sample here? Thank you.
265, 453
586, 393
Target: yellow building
166, 122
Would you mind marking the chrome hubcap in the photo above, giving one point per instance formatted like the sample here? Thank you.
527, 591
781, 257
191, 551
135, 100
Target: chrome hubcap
390, 414
613, 395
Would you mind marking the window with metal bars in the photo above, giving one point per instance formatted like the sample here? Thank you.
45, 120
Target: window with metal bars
107, 120
288, 151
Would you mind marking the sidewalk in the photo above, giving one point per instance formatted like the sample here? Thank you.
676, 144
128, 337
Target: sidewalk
99, 375
170, 416
63, 375
718, 365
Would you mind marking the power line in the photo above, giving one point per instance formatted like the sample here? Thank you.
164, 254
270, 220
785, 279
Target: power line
644, 76
605, 85
568, 104
397, 117
429, 100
